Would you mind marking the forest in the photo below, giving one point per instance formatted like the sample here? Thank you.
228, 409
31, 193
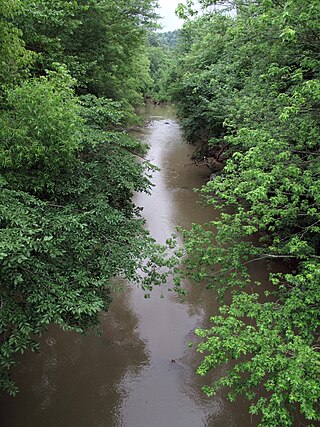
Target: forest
244, 77
68, 170
247, 91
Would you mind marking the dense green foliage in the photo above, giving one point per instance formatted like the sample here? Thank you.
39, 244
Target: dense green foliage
162, 51
247, 90
248, 94
101, 42
70, 75
169, 38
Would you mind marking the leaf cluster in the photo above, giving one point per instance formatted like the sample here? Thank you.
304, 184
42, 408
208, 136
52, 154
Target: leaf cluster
248, 96
68, 170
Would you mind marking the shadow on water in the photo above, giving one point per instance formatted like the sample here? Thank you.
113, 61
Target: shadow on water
74, 380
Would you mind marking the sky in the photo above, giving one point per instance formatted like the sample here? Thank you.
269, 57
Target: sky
170, 21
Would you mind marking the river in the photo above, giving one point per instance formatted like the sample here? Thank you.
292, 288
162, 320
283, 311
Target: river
140, 371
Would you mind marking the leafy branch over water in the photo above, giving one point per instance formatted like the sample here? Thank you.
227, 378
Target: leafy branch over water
248, 89
71, 73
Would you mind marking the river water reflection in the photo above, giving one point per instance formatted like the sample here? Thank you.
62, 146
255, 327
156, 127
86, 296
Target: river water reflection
127, 377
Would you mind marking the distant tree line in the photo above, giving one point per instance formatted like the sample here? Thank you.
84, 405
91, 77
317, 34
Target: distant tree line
162, 50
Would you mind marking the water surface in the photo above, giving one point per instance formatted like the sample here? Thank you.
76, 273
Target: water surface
140, 372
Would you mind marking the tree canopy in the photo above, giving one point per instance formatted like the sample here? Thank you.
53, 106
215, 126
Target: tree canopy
161, 50
248, 95
245, 78
71, 73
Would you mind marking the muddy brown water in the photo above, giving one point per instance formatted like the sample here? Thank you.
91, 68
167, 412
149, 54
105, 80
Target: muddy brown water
140, 372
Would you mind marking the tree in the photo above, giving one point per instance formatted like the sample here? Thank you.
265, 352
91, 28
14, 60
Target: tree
14, 57
249, 91
102, 43
68, 171
161, 52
